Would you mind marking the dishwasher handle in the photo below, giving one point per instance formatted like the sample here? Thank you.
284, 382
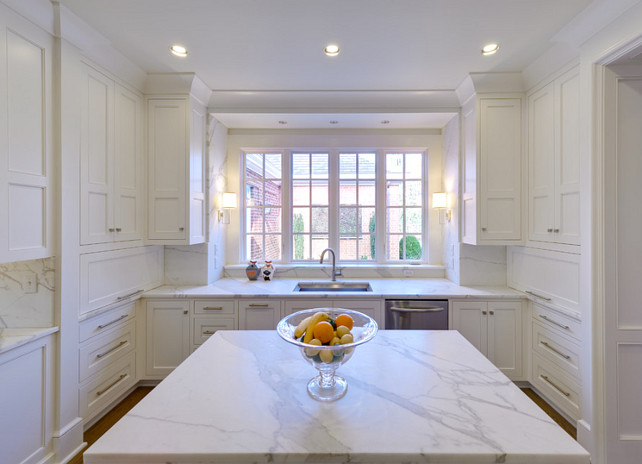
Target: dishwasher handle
418, 309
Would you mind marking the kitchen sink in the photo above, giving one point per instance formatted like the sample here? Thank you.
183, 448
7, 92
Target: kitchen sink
333, 287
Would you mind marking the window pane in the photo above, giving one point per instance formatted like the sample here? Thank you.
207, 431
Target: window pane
367, 165
273, 220
367, 193
413, 193
347, 166
413, 247
253, 165
394, 193
348, 193
254, 247
254, 220
273, 247
367, 224
367, 247
320, 166
273, 192
300, 192
348, 221
320, 220
301, 246
348, 248
320, 192
414, 165
394, 220
300, 166
301, 220
414, 221
393, 246
273, 166
394, 166
254, 193
319, 243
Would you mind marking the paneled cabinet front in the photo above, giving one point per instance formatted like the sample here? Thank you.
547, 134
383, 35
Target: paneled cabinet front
259, 314
168, 335
111, 200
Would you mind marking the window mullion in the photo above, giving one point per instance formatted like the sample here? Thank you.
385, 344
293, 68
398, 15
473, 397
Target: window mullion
380, 208
286, 206
333, 205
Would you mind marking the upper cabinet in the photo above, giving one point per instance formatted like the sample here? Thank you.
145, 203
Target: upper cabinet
111, 200
492, 171
26, 144
553, 154
176, 144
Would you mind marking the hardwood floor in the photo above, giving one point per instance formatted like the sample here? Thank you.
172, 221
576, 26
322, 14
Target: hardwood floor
95, 431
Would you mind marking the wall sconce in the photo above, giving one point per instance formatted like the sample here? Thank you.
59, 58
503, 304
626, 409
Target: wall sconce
440, 202
228, 202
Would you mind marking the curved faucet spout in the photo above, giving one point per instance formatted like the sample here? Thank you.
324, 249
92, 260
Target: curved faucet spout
335, 273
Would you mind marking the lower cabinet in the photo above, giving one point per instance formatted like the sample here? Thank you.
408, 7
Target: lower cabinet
259, 314
210, 316
370, 307
168, 335
495, 329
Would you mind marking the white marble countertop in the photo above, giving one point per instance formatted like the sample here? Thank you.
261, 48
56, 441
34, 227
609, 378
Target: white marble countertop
381, 288
413, 397
13, 338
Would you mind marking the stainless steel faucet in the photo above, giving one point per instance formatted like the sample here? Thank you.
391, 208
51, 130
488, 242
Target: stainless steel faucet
335, 273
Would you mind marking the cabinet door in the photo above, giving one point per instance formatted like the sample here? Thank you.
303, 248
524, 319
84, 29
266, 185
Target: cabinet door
259, 315
469, 319
96, 158
168, 339
504, 347
128, 162
542, 164
500, 168
371, 308
168, 145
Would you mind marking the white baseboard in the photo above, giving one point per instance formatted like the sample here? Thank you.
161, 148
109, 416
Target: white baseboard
68, 441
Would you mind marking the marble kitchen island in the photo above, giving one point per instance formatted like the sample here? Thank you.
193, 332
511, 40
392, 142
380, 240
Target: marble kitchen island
413, 397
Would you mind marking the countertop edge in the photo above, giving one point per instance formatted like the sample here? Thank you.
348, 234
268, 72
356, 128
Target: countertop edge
12, 338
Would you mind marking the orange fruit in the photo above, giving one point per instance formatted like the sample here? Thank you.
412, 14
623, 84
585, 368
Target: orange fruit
345, 320
323, 331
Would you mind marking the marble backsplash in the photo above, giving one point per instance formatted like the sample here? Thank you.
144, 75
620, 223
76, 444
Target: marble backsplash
324, 272
18, 307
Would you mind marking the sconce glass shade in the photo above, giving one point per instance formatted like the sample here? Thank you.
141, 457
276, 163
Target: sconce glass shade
229, 200
439, 200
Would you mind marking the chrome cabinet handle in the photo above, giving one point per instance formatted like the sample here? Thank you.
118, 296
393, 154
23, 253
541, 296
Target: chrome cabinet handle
118, 229
484, 229
557, 231
122, 376
555, 350
212, 308
185, 311
557, 387
130, 294
549, 230
418, 309
554, 322
102, 326
537, 296
124, 342
209, 332
181, 229
484, 313
258, 305
111, 229
492, 313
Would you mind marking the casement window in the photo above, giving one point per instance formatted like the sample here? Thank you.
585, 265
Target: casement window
368, 205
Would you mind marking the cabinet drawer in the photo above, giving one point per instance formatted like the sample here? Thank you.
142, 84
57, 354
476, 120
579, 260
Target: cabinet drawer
204, 327
106, 321
259, 314
211, 307
106, 386
556, 386
557, 320
101, 351
555, 347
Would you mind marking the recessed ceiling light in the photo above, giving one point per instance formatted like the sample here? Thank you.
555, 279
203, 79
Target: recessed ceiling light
490, 49
332, 50
334, 122
178, 50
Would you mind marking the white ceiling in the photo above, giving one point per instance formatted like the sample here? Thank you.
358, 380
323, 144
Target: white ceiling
277, 45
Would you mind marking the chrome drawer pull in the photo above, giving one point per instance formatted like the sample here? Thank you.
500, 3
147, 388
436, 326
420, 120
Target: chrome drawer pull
124, 342
212, 308
554, 322
553, 349
418, 309
122, 376
565, 393
102, 326
537, 296
209, 332
130, 294
259, 305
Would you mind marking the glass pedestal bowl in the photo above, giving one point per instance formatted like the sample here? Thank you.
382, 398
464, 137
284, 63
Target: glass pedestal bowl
327, 386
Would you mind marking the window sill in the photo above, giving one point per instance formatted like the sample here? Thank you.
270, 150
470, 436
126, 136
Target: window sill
349, 271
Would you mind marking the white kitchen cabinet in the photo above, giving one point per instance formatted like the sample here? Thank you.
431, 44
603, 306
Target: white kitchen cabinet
168, 335
176, 144
492, 171
26, 142
495, 329
111, 175
210, 316
554, 161
27, 402
259, 314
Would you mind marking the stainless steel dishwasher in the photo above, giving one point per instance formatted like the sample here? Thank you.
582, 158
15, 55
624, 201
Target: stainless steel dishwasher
417, 314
